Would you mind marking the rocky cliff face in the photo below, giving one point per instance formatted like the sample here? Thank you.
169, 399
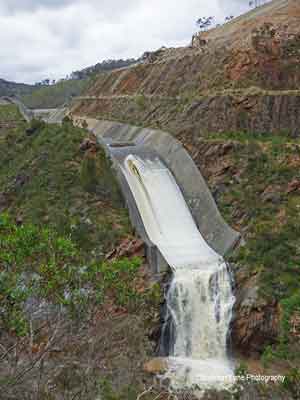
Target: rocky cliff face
244, 112
241, 76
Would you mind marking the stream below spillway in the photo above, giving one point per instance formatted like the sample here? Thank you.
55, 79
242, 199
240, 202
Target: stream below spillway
199, 299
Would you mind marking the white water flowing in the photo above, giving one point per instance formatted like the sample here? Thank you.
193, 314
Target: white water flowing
200, 298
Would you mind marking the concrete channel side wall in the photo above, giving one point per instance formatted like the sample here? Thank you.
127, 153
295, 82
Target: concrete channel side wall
25, 112
154, 257
51, 116
121, 139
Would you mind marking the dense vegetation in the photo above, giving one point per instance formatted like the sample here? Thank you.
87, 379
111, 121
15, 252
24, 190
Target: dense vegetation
261, 198
44, 95
104, 66
43, 180
9, 113
14, 89
61, 213
54, 96
38, 262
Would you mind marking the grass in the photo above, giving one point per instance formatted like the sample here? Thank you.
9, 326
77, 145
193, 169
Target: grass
41, 175
63, 213
272, 246
55, 95
9, 112
267, 164
244, 137
38, 262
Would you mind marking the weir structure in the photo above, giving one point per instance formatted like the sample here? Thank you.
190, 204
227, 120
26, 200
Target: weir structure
121, 140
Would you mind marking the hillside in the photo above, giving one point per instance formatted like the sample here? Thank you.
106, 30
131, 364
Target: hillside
56, 95
72, 273
81, 313
242, 76
43, 96
14, 89
232, 99
58, 193
10, 117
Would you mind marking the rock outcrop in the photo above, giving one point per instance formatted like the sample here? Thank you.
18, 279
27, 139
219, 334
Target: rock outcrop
256, 321
242, 76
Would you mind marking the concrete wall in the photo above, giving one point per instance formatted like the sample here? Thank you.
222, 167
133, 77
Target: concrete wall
4, 101
25, 112
121, 139
51, 116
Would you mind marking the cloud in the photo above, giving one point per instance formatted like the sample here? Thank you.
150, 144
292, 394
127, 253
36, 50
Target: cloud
51, 38
234, 7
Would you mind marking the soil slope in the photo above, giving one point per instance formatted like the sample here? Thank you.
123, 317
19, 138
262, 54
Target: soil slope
242, 76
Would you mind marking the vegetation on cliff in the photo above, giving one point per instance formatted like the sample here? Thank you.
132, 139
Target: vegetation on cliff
9, 113
73, 281
40, 181
54, 96
256, 184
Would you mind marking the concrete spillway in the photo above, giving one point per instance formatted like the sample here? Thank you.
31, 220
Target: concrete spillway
121, 140
175, 214
200, 298
165, 214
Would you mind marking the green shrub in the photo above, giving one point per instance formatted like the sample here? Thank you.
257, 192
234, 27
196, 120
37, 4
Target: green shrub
35, 126
141, 101
37, 261
89, 173
292, 382
290, 306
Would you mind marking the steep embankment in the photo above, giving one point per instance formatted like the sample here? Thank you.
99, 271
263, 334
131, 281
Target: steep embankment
68, 295
8, 88
56, 95
256, 184
44, 175
242, 76
10, 117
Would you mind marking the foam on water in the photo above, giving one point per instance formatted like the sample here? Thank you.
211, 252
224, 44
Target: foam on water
200, 297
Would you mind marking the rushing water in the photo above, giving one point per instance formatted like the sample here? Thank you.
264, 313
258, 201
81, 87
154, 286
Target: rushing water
199, 299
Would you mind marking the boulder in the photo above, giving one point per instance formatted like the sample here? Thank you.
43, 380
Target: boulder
88, 144
293, 186
127, 248
256, 321
157, 365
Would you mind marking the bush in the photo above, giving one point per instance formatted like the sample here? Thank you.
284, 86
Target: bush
89, 174
35, 126
40, 263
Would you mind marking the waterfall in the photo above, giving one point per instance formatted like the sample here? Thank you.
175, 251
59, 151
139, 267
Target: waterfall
199, 299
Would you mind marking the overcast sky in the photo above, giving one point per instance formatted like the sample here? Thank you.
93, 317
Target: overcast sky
50, 38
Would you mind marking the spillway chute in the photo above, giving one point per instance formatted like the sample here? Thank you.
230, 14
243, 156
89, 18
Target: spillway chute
200, 298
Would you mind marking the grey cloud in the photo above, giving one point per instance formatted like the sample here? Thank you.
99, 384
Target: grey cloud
14, 6
237, 7
109, 8
42, 39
